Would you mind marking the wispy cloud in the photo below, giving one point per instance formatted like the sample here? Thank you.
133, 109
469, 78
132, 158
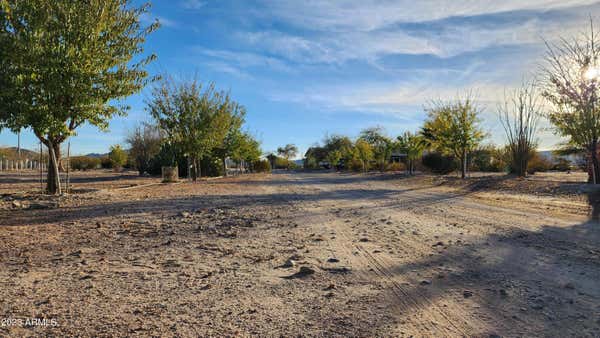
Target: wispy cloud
193, 4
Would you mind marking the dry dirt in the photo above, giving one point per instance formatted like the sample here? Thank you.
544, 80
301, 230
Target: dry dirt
300, 254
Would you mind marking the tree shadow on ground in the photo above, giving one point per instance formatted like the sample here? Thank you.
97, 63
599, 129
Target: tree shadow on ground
519, 283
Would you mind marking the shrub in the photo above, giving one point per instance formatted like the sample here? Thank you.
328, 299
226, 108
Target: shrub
538, 163
261, 166
84, 163
106, 163
562, 164
439, 164
396, 166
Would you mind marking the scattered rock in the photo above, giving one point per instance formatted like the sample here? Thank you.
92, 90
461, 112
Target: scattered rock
503, 293
17, 204
438, 244
303, 272
329, 295
363, 239
467, 293
425, 282
333, 260
569, 286
330, 287
184, 214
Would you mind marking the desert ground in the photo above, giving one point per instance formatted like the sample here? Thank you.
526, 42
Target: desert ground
301, 254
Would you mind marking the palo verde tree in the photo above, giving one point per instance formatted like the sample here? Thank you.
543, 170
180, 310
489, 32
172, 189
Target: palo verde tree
412, 145
381, 145
453, 127
287, 152
519, 115
571, 82
64, 63
363, 152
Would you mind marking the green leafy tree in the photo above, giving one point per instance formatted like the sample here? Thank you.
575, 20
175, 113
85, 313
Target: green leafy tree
334, 157
287, 152
363, 152
571, 82
412, 145
382, 146
117, 156
454, 127
64, 63
195, 120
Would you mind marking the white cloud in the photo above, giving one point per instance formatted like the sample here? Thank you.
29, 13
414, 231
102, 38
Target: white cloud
192, 4
366, 15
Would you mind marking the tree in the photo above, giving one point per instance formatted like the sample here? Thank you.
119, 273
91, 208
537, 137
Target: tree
412, 145
64, 63
117, 156
340, 143
144, 144
334, 157
453, 127
519, 115
363, 152
571, 82
233, 141
381, 145
195, 120
287, 152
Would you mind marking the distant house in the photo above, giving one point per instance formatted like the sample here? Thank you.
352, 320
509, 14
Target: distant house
398, 157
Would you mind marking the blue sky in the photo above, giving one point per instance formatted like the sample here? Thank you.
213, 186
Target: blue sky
307, 68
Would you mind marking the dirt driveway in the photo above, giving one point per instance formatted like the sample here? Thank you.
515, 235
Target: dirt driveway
301, 254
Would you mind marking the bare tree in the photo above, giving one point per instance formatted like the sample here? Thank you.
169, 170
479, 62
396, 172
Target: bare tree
571, 82
519, 115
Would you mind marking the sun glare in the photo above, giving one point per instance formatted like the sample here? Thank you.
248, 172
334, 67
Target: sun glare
593, 73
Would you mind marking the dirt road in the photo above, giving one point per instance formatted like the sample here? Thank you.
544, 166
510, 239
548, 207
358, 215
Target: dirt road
304, 254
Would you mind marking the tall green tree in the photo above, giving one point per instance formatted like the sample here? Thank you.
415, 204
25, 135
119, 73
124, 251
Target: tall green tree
195, 119
363, 151
381, 145
412, 145
454, 127
571, 82
64, 63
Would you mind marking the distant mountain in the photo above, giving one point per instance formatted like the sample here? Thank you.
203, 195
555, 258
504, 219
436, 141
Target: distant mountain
11, 153
96, 155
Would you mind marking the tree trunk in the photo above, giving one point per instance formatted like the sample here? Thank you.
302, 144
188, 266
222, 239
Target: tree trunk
463, 169
225, 166
594, 173
53, 177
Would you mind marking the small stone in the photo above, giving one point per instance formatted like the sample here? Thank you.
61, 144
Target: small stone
467, 294
569, 286
363, 239
333, 260
425, 282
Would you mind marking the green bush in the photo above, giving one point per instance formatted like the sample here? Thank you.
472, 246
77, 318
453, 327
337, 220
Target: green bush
439, 164
261, 166
84, 162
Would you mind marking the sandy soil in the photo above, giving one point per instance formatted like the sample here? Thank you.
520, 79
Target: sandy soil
302, 254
